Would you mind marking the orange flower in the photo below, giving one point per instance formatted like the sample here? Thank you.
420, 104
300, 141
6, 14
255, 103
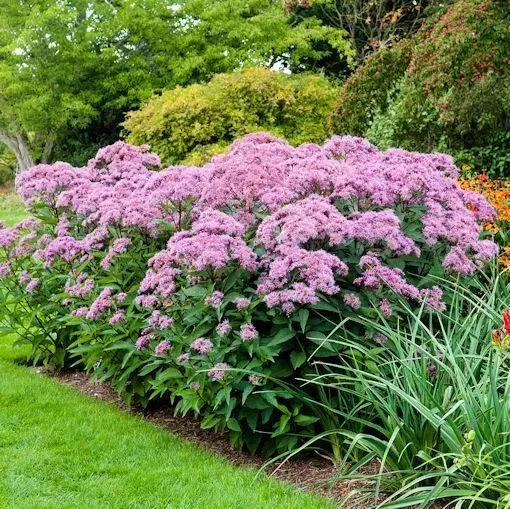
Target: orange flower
497, 192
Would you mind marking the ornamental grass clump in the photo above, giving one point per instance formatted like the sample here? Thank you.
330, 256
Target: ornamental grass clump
433, 404
195, 283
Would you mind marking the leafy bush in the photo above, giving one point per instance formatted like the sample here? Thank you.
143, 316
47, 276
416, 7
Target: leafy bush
445, 89
193, 123
198, 284
368, 91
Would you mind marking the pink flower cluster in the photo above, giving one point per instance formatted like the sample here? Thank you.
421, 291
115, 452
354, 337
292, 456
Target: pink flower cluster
302, 222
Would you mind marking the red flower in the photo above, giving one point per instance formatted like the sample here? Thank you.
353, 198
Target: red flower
506, 321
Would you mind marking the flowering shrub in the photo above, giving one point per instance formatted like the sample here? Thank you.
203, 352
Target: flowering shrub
200, 283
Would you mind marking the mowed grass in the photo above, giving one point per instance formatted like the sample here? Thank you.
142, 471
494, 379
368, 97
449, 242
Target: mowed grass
62, 449
12, 209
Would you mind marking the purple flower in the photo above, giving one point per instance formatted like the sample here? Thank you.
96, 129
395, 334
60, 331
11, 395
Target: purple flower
24, 277
8, 237
384, 306
80, 312
288, 218
5, 269
118, 247
352, 300
117, 317
432, 298
81, 288
223, 328
102, 304
214, 300
202, 346
219, 371
195, 386
242, 303
380, 339
184, 357
160, 321
32, 285
146, 301
255, 379
121, 297
248, 332
142, 342
163, 347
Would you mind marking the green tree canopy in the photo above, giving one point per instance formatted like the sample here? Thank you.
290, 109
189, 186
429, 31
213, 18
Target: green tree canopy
69, 69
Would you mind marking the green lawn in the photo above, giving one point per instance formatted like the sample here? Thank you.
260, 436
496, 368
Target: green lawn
62, 449
11, 208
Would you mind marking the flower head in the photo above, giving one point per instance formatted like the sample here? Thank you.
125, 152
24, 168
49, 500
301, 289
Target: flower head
248, 332
219, 371
242, 303
223, 328
163, 347
214, 300
202, 346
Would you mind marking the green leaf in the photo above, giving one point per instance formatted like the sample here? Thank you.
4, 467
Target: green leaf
282, 336
297, 359
303, 318
246, 392
233, 425
305, 420
195, 291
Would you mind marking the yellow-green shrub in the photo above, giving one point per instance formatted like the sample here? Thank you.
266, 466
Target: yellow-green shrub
192, 123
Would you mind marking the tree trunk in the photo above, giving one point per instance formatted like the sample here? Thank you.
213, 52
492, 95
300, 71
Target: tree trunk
19, 145
48, 149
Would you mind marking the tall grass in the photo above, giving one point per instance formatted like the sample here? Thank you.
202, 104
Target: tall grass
432, 405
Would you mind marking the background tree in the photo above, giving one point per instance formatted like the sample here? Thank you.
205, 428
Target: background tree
70, 69
371, 25
446, 89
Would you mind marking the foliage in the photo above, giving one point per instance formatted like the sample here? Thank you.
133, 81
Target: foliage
57, 449
195, 122
70, 70
370, 25
7, 166
453, 96
199, 284
433, 402
368, 91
